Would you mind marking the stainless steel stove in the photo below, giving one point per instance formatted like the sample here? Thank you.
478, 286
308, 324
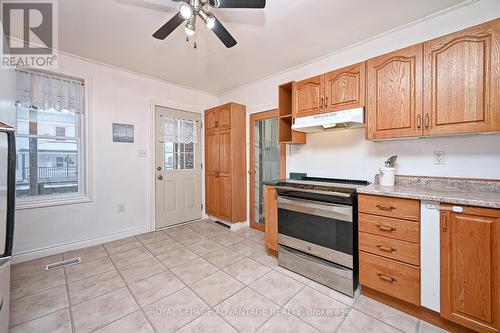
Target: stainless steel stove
318, 230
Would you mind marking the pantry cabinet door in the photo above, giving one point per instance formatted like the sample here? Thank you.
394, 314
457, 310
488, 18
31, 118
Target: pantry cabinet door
308, 95
394, 106
211, 119
345, 88
212, 191
212, 151
462, 81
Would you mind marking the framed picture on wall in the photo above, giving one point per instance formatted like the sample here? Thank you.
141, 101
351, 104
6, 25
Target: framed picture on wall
123, 133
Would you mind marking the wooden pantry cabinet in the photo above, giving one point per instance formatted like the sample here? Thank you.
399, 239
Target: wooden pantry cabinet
225, 162
470, 267
446, 86
340, 89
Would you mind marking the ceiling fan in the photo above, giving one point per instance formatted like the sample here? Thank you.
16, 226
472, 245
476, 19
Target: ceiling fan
189, 10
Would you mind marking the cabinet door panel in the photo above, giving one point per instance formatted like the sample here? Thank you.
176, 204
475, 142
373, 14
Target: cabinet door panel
469, 269
224, 116
394, 107
308, 96
211, 119
271, 218
212, 151
345, 88
211, 193
225, 197
462, 81
225, 151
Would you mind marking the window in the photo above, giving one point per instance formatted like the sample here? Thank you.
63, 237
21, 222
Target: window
49, 135
179, 156
179, 137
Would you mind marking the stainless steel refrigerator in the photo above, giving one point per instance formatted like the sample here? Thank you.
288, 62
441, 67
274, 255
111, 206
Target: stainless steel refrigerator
7, 207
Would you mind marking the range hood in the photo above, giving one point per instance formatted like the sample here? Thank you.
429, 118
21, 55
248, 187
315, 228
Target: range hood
353, 118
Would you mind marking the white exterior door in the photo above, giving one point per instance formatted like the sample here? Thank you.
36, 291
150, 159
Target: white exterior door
178, 172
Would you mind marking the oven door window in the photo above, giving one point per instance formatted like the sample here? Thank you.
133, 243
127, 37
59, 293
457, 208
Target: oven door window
325, 231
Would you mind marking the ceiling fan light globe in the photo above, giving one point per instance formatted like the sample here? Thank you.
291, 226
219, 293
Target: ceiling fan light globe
210, 22
190, 30
186, 11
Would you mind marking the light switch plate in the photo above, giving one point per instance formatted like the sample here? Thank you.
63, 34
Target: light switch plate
439, 158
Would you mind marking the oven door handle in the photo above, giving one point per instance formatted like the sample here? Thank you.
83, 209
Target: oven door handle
316, 208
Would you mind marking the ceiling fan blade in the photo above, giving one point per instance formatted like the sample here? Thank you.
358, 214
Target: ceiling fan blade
223, 34
169, 27
237, 3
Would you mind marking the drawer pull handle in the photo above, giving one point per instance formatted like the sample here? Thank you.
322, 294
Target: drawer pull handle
386, 248
386, 278
385, 228
386, 208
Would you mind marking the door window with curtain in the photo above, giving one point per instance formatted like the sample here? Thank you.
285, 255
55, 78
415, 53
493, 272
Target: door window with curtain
49, 139
266, 163
179, 137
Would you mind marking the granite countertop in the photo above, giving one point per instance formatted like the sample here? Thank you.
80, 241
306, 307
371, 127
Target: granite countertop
470, 192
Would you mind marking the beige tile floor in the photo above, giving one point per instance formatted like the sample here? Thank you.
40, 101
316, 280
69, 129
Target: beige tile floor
198, 277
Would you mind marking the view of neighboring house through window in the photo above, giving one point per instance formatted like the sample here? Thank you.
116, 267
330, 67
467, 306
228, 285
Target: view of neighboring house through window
49, 134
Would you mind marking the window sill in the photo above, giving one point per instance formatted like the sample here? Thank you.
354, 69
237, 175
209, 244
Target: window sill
40, 202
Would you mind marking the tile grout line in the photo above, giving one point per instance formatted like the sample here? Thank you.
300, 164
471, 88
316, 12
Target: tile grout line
133, 297
70, 307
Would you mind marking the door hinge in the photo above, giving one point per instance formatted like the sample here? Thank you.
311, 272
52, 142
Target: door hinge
201, 125
201, 166
201, 206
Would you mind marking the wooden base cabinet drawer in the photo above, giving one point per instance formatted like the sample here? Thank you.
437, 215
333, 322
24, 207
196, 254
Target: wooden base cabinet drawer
385, 226
390, 248
390, 277
408, 209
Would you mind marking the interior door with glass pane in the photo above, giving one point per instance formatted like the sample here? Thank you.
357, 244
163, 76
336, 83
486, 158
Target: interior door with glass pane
265, 161
178, 167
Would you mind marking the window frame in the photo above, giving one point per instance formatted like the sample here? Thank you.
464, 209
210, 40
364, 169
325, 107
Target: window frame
84, 155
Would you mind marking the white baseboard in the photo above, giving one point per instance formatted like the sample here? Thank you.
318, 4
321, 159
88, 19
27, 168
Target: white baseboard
50, 250
230, 225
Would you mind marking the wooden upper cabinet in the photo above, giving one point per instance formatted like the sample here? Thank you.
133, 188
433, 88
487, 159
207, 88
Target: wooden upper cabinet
470, 267
462, 81
345, 88
212, 151
394, 101
211, 119
309, 97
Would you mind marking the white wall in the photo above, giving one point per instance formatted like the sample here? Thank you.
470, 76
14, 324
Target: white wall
119, 176
346, 153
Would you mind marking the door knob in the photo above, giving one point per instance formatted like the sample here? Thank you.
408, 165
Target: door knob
160, 177
158, 168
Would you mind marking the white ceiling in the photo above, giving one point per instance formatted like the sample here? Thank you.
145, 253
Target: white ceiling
285, 34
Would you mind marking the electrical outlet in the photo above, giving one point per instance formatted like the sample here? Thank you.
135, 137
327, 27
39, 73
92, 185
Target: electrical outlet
120, 208
142, 153
439, 158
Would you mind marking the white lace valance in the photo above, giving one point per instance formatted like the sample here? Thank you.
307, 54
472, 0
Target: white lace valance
178, 130
45, 91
